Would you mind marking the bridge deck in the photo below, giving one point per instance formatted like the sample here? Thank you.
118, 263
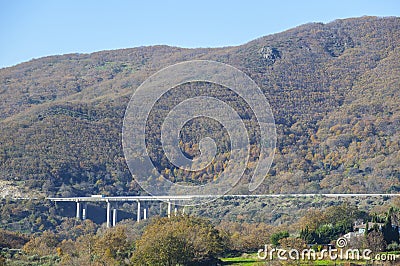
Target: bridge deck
193, 197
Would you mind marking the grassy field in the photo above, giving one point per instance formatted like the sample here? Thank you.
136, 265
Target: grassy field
251, 260
243, 261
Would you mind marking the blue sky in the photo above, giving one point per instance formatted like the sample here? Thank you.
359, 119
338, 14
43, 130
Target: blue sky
32, 29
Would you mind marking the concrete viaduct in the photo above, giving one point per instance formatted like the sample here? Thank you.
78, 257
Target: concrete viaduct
112, 212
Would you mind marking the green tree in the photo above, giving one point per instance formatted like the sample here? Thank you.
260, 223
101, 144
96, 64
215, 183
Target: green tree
278, 236
390, 232
178, 240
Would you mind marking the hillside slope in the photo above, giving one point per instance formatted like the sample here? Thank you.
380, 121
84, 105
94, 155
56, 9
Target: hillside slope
333, 88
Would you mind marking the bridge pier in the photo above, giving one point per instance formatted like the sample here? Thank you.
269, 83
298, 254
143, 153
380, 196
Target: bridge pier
145, 214
84, 211
78, 210
108, 214
138, 211
115, 216
112, 214
169, 208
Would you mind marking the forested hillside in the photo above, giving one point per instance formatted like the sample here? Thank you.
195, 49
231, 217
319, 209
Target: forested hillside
333, 89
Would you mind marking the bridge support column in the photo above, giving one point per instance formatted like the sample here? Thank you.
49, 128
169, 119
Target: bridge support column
84, 211
115, 217
176, 211
145, 214
108, 214
169, 209
138, 211
78, 210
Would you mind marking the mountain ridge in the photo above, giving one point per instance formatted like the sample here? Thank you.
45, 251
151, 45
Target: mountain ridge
316, 77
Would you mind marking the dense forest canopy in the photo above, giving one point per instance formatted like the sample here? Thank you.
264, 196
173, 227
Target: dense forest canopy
333, 88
